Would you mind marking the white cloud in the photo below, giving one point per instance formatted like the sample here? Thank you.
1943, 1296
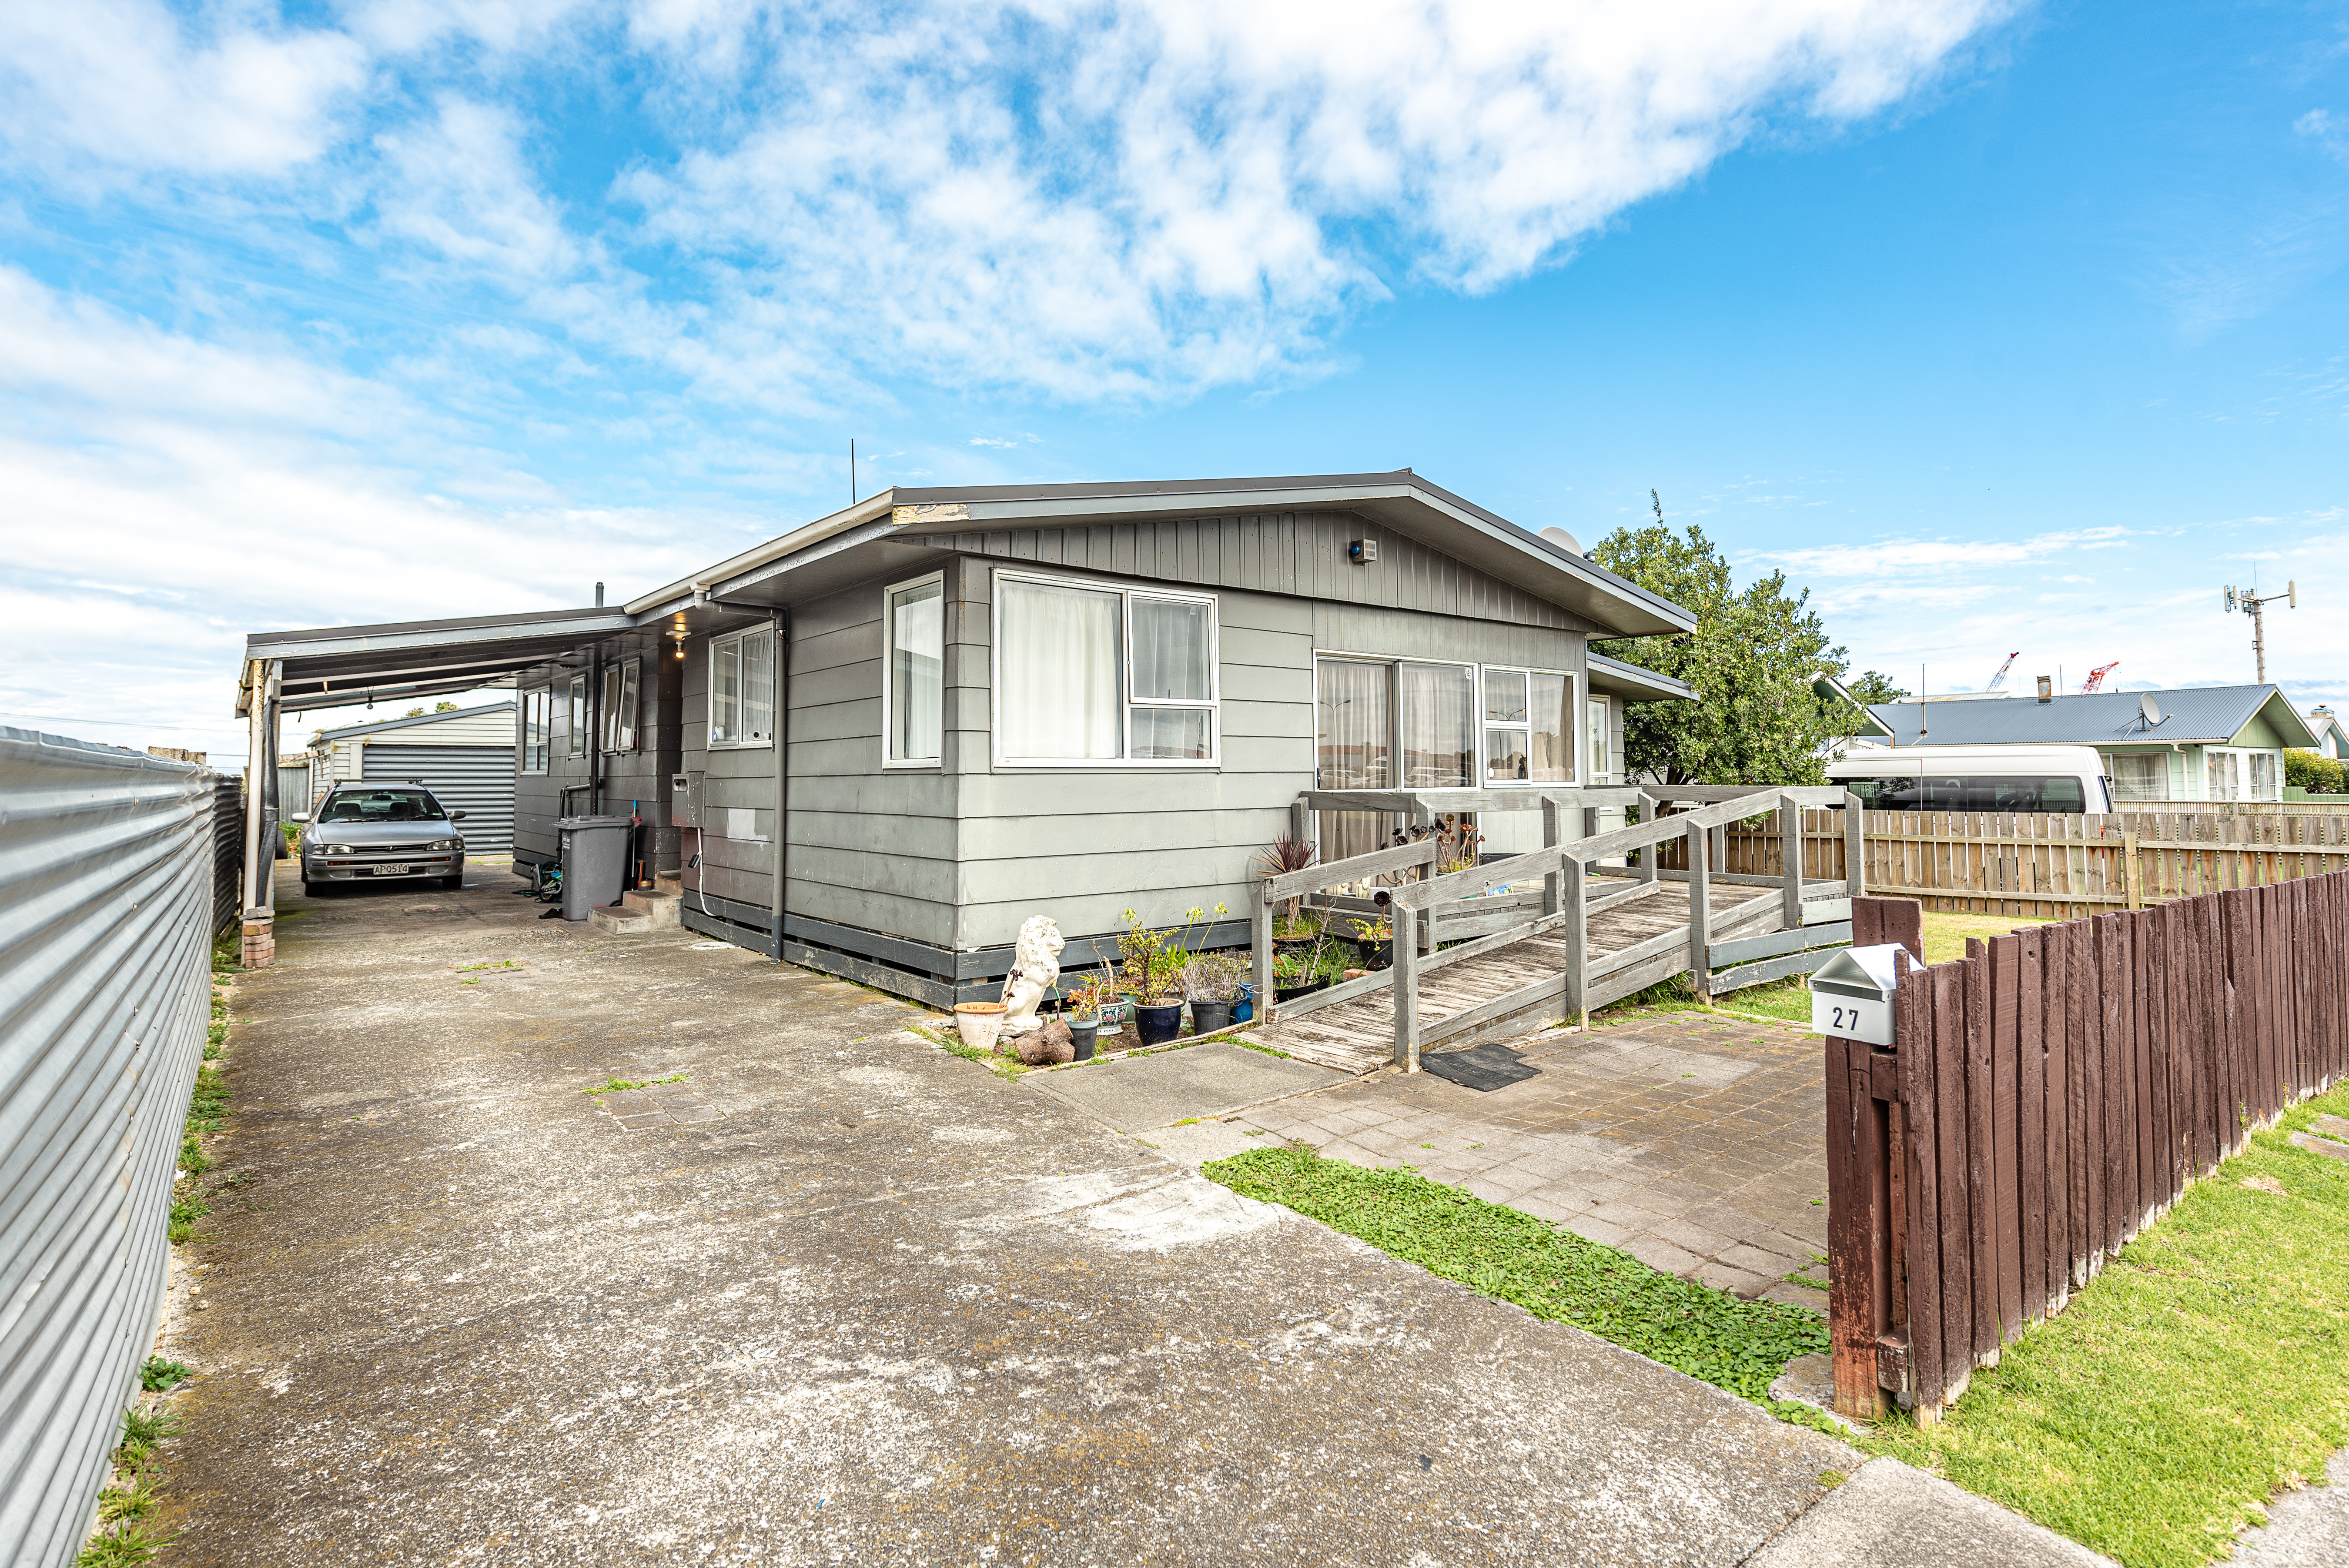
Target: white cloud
136, 85
235, 489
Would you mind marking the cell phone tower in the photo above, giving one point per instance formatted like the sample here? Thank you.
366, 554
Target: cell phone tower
2255, 605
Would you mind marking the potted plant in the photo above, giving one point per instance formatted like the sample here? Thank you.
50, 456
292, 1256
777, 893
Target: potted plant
1278, 858
1375, 939
1084, 1010
1294, 975
1211, 983
1151, 974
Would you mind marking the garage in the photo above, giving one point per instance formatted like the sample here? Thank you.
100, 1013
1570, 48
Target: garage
464, 756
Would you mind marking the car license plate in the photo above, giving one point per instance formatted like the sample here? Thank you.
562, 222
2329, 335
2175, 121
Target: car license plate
391, 871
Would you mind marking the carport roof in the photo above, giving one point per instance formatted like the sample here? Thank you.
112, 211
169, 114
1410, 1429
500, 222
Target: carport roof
333, 667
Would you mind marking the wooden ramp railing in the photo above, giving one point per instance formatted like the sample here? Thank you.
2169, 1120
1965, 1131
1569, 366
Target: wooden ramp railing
1536, 910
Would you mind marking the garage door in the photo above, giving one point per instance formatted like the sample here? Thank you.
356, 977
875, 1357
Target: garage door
478, 780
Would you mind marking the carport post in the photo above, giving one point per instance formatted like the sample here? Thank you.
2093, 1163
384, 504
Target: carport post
259, 943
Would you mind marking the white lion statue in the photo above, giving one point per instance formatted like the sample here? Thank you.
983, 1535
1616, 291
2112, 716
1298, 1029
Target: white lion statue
1037, 966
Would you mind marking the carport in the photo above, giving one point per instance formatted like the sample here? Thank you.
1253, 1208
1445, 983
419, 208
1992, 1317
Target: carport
334, 667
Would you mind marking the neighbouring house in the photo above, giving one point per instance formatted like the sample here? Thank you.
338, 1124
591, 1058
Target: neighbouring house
1859, 723
877, 743
2330, 740
2191, 743
465, 757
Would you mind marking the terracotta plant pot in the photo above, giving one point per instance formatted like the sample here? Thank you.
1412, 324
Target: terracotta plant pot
980, 1023
1157, 1025
1082, 1036
1206, 1017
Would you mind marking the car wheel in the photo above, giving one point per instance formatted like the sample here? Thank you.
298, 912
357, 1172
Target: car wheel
309, 888
452, 883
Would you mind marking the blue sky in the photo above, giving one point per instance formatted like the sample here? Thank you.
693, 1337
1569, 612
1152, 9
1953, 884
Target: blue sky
1998, 326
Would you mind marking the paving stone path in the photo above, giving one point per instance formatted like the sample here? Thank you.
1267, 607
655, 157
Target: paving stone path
1693, 1140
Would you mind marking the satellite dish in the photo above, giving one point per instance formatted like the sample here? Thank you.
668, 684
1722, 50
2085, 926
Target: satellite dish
2150, 710
1562, 539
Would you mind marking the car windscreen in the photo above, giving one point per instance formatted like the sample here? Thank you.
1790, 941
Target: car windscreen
1944, 792
382, 806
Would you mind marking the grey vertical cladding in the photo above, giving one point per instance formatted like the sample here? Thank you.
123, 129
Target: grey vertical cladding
106, 873
1303, 554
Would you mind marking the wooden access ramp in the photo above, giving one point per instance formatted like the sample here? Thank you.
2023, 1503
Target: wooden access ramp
1570, 937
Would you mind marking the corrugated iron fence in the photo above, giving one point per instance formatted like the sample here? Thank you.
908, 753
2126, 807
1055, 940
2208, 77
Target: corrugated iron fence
2048, 865
110, 866
2048, 1095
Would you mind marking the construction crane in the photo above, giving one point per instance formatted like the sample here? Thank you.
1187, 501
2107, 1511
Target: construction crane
2096, 680
1999, 679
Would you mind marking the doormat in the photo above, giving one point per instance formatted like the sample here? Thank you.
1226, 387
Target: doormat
1484, 1068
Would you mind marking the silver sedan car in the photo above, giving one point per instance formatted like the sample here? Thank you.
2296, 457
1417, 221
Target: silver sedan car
372, 832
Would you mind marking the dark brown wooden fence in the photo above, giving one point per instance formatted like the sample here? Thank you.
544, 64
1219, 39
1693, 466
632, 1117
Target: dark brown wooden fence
2050, 1094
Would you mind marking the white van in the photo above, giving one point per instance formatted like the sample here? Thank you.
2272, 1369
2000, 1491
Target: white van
1975, 778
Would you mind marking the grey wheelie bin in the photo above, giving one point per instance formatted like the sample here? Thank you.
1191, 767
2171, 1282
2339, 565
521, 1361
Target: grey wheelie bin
594, 862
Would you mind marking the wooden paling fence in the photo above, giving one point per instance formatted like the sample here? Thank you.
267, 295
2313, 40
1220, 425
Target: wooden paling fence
2052, 866
2046, 1097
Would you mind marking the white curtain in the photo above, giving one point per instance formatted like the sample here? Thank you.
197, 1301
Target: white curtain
759, 687
1439, 730
1354, 723
1553, 726
916, 659
1171, 650
1057, 672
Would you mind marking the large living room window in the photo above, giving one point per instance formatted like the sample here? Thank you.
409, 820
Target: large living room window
1089, 675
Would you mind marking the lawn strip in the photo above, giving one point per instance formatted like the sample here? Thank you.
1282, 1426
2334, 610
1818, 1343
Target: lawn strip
1709, 1334
2206, 1368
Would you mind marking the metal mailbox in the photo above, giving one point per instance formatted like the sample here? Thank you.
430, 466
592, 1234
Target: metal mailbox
1851, 994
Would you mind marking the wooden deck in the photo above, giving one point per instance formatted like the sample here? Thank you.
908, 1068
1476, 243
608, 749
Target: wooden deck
1358, 1035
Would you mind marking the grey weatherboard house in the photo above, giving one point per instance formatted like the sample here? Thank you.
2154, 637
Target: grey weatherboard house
1062, 699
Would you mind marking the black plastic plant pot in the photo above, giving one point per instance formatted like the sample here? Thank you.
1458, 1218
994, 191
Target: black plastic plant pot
1376, 954
1206, 1017
1157, 1025
1290, 993
1081, 1035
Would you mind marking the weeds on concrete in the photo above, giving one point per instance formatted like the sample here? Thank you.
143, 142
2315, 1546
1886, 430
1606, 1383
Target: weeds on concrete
2204, 1370
207, 1108
615, 1084
1509, 1255
125, 1535
158, 1376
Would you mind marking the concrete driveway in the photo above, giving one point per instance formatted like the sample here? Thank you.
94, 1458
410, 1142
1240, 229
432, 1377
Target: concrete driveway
850, 1300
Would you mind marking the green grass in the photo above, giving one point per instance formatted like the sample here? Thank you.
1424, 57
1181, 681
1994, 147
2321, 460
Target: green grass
1945, 938
1511, 1256
2205, 1369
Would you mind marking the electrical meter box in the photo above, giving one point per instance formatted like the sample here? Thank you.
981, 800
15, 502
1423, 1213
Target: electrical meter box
685, 800
1851, 994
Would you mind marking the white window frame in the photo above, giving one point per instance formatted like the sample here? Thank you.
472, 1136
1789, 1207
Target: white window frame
544, 698
2240, 767
2274, 760
738, 640
575, 716
888, 650
1213, 706
622, 699
1599, 715
2112, 761
1575, 759
1394, 663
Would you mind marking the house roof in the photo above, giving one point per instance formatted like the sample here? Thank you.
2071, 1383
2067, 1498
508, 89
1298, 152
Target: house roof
1633, 684
2209, 715
1401, 500
348, 731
